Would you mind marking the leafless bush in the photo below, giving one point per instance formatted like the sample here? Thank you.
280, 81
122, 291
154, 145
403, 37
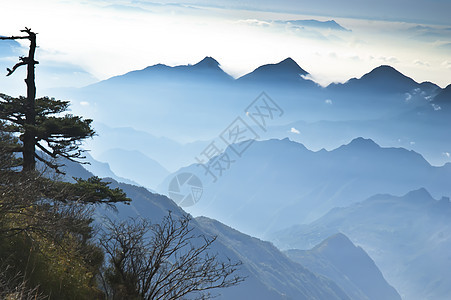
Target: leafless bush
162, 261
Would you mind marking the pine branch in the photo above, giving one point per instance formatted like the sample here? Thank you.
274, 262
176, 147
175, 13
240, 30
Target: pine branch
55, 167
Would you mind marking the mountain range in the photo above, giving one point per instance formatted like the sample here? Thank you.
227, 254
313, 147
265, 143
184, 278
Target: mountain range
275, 188
350, 266
270, 274
279, 183
385, 79
407, 236
170, 154
207, 69
197, 102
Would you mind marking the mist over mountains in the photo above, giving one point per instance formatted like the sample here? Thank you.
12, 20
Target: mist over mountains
220, 111
197, 102
338, 258
292, 165
279, 183
407, 236
269, 273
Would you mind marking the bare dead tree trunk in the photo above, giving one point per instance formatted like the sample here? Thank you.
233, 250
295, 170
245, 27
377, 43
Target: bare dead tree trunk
28, 139
29, 142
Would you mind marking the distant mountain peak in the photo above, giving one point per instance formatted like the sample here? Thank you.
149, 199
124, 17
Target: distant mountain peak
385, 72
285, 71
160, 65
385, 68
288, 65
289, 62
357, 273
419, 194
361, 142
336, 241
207, 62
330, 24
382, 79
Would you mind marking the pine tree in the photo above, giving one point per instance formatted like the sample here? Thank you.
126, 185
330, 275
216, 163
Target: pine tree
46, 232
39, 122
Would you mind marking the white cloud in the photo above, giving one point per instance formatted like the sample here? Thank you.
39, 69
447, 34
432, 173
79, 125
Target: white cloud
254, 22
447, 64
308, 77
247, 40
447, 154
408, 97
412, 143
333, 55
389, 59
294, 130
421, 63
328, 101
354, 57
436, 107
84, 103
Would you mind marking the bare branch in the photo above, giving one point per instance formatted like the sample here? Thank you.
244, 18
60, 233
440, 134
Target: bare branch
163, 261
10, 71
14, 37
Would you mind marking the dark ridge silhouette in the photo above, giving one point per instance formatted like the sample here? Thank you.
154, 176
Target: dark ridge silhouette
386, 72
286, 71
207, 62
383, 79
444, 97
349, 266
204, 72
430, 87
361, 143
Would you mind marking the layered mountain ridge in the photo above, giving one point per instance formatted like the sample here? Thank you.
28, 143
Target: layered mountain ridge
407, 236
270, 275
287, 69
308, 183
339, 259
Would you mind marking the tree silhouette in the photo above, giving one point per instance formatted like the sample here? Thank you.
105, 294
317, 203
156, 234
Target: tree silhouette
38, 121
47, 249
163, 261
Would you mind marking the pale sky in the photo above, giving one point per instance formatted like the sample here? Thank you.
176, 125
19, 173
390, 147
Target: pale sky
84, 41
